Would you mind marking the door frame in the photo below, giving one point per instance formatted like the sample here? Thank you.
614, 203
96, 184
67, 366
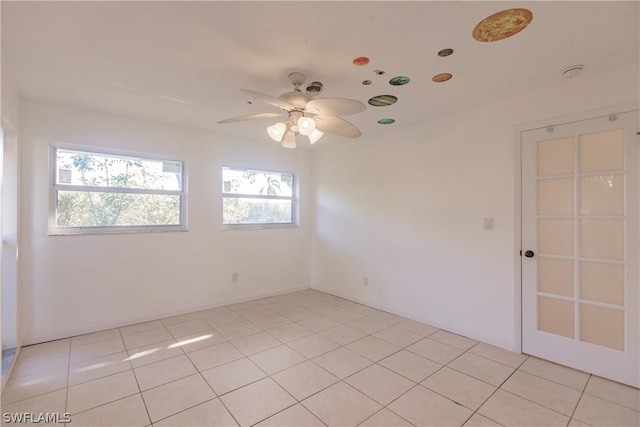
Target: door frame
517, 199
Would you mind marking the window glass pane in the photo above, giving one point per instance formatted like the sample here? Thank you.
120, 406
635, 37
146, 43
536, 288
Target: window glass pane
556, 276
602, 195
555, 236
555, 157
602, 151
238, 210
99, 170
96, 209
602, 238
256, 183
602, 325
556, 316
555, 197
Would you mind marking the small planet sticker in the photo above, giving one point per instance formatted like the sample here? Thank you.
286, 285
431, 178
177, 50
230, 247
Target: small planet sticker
379, 72
442, 77
502, 25
366, 82
383, 100
399, 81
386, 121
315, 88
445, 52
361, 61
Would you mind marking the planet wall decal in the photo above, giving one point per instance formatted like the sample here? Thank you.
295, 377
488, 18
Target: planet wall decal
502, 25
442, 77
383, 100
315, 88
399, 81
361, 61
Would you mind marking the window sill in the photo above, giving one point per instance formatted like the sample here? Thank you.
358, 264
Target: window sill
258, 226
80, 231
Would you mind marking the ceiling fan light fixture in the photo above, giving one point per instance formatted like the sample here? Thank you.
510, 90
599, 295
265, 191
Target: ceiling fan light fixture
306, 114
314, 135
306, 125
277, 131
289, 140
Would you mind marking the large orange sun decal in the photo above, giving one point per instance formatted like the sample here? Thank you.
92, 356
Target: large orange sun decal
502, 24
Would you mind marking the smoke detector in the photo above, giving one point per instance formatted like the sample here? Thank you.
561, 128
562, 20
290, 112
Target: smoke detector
572, 71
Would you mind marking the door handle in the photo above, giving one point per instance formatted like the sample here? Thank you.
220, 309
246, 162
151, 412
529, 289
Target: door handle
529, 254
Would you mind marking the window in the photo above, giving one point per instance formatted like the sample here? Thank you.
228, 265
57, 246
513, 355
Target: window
97, 192
257, 198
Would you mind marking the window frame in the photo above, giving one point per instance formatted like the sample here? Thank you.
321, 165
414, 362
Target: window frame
54, 187
263, 225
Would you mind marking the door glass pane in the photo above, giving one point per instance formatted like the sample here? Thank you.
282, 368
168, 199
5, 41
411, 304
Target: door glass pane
555, 157
602, 282
555, 197
556, 316
602, 195
555, 276
602, 151
555, 236
602, 325
602, 238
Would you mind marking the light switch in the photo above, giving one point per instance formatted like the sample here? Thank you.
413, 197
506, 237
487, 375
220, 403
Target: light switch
488, 223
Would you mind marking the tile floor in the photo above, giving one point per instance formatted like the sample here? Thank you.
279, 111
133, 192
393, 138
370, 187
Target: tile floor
303, 359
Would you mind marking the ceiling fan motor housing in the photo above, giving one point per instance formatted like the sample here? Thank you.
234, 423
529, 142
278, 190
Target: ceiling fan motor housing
296, 98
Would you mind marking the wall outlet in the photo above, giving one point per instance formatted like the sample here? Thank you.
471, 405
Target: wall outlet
234, 277
365, 281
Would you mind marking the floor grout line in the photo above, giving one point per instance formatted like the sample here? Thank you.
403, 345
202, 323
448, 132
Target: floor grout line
579, 399
139, 390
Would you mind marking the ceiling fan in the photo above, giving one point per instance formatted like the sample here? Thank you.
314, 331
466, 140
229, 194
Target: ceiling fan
305, 115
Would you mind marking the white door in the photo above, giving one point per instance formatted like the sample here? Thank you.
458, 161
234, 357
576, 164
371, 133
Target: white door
580, 236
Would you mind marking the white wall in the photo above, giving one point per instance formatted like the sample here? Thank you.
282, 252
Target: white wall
9, 218
406, 209
77, 284
10, 102
9, 199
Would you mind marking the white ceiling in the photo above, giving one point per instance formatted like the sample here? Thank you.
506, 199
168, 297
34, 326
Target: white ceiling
185, 62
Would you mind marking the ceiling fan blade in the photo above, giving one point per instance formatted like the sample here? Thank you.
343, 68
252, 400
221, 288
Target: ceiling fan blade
337, 126
335, 106
251, 117
268, 99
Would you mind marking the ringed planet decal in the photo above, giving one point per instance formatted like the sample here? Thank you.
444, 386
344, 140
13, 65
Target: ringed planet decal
383, 100
442, 77
386, 121
361, 61
366, 82
315, 88
502, 25
445, 52
399, 81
